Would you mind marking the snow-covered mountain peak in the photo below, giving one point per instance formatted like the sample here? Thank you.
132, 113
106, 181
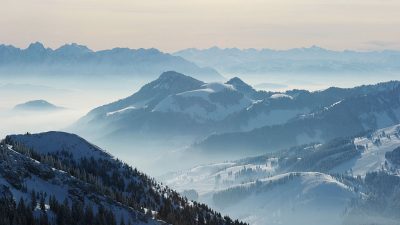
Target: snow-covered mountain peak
170, 76
242, 87
211, 101
239, 84
55, 142
172, 80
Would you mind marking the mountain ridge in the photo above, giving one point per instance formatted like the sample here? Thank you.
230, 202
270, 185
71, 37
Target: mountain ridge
78, 59
325, 177
312, 59
59, 164
211, 118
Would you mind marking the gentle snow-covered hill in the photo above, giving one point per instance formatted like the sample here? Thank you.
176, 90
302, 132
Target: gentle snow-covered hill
356, 156
213, 101
291, 185
64, 168
294, 198
54, 142
37, 105
290, 198
77, 59
299, 60
374, 153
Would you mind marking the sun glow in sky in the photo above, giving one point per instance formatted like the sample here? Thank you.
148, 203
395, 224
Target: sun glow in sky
172, 25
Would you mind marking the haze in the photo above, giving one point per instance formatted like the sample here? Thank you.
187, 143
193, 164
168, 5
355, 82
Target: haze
173, 25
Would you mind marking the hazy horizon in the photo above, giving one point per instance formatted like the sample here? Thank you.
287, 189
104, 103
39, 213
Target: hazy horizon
25, 46
174, 25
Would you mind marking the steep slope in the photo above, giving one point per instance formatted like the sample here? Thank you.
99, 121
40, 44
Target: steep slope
136, 114
152, 93
77, 59
22, 177
174, 102
64, 166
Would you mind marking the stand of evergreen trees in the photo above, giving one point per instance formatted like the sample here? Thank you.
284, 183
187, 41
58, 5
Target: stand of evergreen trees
121, 183
35, 213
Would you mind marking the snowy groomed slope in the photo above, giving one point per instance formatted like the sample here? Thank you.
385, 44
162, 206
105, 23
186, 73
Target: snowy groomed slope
373, 149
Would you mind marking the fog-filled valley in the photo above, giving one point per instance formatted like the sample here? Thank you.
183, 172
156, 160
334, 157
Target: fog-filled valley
294, 142
79, 97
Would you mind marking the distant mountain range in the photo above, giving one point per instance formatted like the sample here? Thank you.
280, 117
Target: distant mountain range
60, 178
297, 60
74, 59
230, 120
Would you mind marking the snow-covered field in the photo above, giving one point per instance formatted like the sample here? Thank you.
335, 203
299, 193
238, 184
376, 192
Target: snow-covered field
372, 157
200, 105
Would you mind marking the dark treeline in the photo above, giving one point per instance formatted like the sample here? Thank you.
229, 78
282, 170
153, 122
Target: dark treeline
35, 213
128, 186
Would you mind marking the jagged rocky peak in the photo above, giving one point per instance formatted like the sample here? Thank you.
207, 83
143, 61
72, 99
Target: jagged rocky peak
36, 46
73, 48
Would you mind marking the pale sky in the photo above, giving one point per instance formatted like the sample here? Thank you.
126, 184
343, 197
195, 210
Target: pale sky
172, 25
